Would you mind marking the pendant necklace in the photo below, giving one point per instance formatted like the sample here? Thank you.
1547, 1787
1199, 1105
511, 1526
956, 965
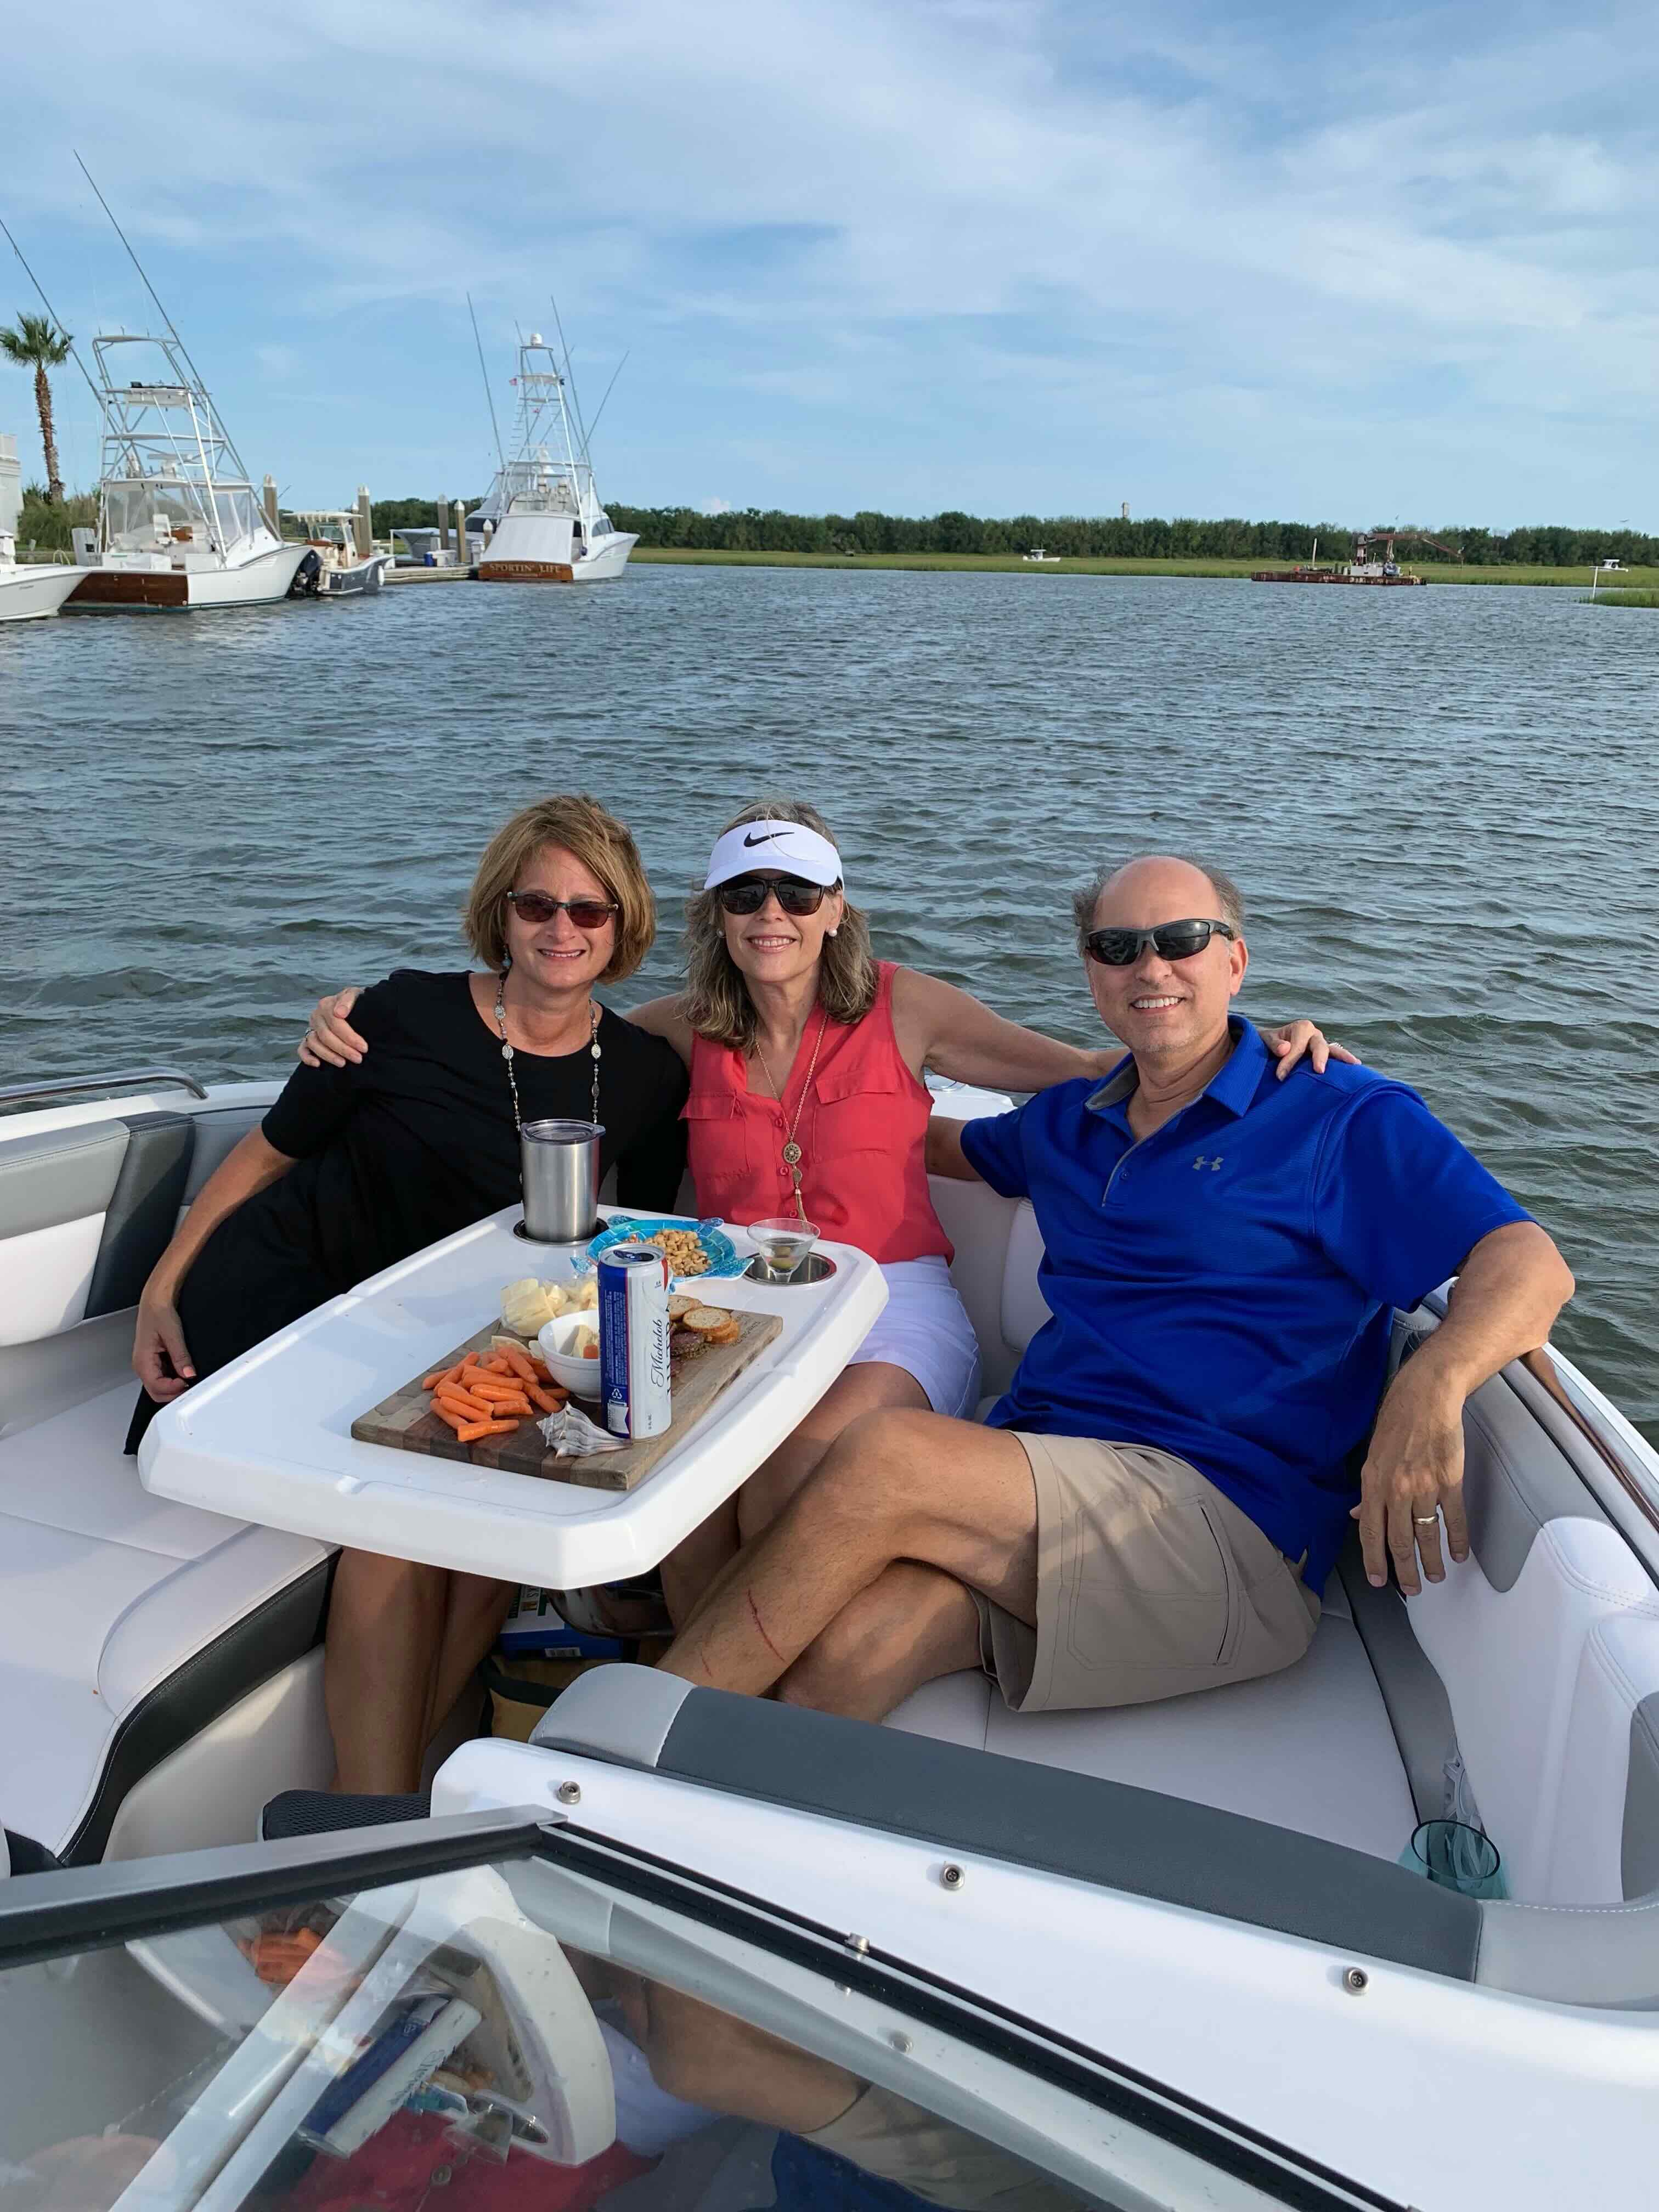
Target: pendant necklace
506, 1054
792, 1153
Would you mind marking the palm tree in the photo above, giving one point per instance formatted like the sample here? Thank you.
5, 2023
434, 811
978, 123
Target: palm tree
35, 344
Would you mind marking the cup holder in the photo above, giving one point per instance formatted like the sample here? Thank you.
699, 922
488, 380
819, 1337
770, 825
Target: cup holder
816, 1267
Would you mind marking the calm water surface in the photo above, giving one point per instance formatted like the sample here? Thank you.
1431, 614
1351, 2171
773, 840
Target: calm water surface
1442, 806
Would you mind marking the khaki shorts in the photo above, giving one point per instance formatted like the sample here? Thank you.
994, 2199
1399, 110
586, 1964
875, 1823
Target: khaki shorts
1151, 1583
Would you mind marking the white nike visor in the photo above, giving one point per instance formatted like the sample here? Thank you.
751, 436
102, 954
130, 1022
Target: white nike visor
790, 847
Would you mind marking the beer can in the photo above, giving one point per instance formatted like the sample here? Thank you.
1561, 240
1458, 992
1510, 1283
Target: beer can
634, 1374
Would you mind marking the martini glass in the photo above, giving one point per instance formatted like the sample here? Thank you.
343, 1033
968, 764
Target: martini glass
783, 1243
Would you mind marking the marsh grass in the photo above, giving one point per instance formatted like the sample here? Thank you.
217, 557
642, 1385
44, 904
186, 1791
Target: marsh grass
1436, 572
1623, 599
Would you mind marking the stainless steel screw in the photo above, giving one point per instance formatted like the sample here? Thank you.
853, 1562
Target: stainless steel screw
570, 1793
899, 2040
1356, 1981
858, 1942
952, 1877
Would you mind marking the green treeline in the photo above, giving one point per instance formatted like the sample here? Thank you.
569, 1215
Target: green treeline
750, 529
755, 530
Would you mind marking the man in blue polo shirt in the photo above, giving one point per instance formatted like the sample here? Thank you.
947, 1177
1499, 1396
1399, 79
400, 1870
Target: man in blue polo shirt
1155, 1504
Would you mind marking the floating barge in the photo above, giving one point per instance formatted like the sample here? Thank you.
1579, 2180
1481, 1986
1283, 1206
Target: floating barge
1373, 563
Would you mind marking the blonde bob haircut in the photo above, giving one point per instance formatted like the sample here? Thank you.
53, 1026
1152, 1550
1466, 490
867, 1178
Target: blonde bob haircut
603, 846
717, 1004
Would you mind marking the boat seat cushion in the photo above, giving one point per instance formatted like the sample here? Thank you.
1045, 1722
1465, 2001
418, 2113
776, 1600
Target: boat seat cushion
130, 1621
1310, 1748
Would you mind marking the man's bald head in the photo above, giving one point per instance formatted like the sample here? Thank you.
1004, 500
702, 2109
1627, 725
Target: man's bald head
1153, 880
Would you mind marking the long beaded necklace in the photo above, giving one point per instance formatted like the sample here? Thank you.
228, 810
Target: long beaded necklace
506, 1054
792, 1152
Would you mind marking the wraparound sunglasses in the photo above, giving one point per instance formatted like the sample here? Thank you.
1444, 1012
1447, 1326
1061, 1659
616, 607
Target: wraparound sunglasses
536, 907
748, 894
1170, 940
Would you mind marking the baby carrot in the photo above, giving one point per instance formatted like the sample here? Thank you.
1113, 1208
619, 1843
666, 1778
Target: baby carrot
488, 1386
458, 1401
519, 1404
549, 1401
494, 1363
456, 1420
471, 1434
518, 1362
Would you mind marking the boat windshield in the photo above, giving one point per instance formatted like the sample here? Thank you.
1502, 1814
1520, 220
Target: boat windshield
477, 2034
151, 511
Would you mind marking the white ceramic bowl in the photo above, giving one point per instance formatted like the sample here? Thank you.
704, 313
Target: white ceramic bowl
555, 1337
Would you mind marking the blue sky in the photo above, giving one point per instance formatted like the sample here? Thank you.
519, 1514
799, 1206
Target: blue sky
1006, 255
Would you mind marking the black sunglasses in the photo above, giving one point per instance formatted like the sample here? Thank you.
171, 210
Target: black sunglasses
1170, 940
536, 907
748, 894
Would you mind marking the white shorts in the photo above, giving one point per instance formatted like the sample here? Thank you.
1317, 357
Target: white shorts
924, 1328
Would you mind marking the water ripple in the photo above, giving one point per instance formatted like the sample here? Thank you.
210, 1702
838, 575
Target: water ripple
1440, 802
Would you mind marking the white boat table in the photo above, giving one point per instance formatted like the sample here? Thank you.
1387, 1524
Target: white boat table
268, 1439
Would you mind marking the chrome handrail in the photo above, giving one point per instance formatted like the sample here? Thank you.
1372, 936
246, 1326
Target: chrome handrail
15, 1094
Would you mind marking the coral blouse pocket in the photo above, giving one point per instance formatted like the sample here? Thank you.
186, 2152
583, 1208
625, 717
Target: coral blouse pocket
717, 1150
863, 1112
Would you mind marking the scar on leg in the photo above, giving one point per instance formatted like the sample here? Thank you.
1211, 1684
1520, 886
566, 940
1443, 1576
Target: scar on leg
760, 1628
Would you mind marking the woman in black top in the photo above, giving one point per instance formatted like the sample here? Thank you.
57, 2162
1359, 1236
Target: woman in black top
355, 1168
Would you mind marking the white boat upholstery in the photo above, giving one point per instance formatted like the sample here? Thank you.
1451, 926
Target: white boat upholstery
131, 1624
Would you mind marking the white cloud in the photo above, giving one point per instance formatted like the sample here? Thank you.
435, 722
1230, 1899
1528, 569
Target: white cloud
714, 506
1003, 220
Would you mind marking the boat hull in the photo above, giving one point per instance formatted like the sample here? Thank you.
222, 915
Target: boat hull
1329, 576
112, 588
30, 594
353, 583
536, 549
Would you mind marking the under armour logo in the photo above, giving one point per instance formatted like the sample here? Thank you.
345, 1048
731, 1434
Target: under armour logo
1212, 1165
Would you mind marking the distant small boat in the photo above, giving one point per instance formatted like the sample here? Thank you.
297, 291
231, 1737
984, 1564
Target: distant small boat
179, 525
1040, 553
31, 592
546, 524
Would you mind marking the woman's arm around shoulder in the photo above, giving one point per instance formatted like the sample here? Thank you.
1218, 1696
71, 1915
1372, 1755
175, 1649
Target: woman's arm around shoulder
953, 1033
665, 1018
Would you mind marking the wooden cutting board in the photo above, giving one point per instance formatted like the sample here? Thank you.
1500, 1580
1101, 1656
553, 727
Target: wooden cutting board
405, 1422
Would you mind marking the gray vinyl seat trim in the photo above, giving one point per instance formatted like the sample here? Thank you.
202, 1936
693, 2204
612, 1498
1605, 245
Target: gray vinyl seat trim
1512, 1486
143, 1210
53, 1175
1420, 1711
1104, 1832
1639, 1850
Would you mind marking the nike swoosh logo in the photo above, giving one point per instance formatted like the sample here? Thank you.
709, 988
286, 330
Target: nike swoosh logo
767, 839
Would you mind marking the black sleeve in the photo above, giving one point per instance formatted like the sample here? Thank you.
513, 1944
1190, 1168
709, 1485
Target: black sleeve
649, 1173
317, 1100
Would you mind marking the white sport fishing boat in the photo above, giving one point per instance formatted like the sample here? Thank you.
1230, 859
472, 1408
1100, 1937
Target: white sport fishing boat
180, 524
31, 591
546, 525
1161, 1956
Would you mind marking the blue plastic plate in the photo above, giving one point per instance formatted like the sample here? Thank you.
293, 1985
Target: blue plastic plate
724, 1258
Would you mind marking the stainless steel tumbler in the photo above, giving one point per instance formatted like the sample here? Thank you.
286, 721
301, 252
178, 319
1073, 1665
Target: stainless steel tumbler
561, 1167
